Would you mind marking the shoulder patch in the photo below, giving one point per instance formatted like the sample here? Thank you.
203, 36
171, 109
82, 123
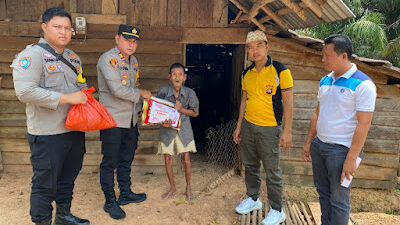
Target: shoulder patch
25, 62
113, 62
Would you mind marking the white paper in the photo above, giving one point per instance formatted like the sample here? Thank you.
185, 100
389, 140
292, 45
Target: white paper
346, 182
160, 112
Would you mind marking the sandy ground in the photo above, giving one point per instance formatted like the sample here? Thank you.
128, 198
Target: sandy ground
215, 207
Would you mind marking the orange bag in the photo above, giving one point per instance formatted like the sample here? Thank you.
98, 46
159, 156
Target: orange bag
90, 116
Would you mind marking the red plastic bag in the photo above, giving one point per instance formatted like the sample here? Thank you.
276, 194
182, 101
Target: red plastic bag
90, 116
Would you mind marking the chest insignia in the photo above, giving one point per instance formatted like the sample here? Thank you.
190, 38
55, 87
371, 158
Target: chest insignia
113, 62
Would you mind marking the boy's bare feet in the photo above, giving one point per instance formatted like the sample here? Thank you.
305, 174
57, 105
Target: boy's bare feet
168, 194
189, 195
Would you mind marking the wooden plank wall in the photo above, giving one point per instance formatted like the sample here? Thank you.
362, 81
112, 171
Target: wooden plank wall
171, 13
26, 10
186, 13
154, 58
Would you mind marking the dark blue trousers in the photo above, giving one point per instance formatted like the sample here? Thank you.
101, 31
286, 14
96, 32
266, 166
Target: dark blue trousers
327, 164
118, 146
56, 162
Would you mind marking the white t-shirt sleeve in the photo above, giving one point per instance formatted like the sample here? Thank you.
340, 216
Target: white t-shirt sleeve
366, 96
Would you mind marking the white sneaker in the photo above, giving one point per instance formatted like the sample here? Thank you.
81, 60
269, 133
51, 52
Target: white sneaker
248, 205
274, 217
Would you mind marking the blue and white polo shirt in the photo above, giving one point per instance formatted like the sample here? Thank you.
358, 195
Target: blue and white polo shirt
339, 101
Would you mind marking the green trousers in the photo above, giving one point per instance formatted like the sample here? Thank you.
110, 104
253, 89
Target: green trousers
261, 144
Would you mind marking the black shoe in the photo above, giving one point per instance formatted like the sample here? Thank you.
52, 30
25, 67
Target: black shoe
64, 216
111, 206
127, 197
46, 222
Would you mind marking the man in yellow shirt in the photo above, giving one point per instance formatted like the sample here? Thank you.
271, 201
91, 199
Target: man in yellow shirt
265, 84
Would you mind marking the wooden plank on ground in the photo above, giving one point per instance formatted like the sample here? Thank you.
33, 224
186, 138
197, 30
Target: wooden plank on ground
315, 211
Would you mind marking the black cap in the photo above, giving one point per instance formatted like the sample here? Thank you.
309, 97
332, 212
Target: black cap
128, 32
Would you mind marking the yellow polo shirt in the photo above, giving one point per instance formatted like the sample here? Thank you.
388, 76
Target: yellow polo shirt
264, 100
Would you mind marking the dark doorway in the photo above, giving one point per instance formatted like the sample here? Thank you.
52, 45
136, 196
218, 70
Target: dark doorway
214, 74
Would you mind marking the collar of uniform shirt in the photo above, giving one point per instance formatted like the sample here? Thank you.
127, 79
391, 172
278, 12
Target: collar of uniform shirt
120, 55
171, 91
268, 63
346, 75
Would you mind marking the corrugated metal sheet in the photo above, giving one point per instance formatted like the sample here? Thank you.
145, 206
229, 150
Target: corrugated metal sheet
333, 10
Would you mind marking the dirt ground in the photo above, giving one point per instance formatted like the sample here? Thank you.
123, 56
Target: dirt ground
215, 207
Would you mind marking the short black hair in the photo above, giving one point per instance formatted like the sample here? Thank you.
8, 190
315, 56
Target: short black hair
55, 11
342, 44
176, 65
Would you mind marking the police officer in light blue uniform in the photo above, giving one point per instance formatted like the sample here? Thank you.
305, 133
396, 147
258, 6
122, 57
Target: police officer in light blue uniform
48, 78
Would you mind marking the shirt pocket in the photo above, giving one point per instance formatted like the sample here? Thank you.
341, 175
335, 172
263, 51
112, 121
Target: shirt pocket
54, 76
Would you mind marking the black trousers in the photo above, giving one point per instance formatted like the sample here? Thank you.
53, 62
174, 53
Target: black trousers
118, 146
56, 162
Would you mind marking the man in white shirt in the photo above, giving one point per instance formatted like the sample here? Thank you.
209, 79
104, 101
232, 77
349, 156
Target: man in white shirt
338, 128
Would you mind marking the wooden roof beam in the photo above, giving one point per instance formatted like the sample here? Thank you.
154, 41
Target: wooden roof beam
252, 19
237, 17
296, 8
315, 8
275, 17
239, 5
280, 12
257, 6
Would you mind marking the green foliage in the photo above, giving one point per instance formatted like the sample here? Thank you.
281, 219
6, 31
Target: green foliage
375, 30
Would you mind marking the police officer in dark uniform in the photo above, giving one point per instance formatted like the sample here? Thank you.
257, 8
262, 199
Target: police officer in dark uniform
48, 78
118, 77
